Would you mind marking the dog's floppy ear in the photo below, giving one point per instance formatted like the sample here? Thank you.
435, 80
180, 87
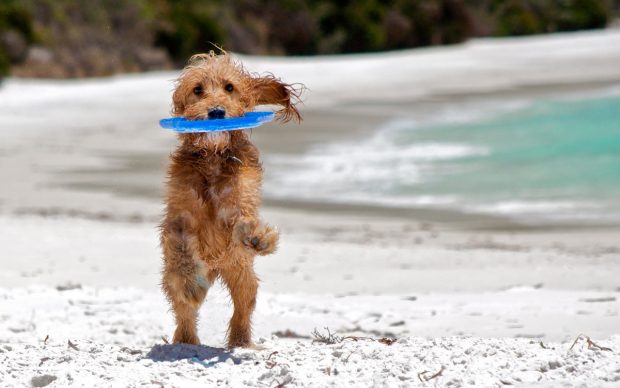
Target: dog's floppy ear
271, 91
178, 100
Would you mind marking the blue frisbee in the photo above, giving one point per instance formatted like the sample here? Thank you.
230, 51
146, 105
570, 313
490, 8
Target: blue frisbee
249, 120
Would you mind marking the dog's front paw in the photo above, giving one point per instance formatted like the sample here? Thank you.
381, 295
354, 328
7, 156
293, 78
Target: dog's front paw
259, 237
265, 240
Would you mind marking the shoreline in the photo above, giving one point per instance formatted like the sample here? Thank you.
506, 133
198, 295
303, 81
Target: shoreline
446, 218
132, 175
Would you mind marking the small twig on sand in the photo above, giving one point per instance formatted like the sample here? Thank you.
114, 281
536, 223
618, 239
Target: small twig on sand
387, 341
165, 339
43, 360
349, 356
45, 340
422, 376
280, 384
72, 345
355, 338
542, 345
157, 383
383, 340
269, 363
591, 344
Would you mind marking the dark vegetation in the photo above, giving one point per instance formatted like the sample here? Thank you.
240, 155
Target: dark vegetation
81, 38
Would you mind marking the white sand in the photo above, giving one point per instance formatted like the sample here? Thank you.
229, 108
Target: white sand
81, 165
465, 312
112, 337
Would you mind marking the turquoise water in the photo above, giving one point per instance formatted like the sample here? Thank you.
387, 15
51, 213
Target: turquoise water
551, 153
557, 160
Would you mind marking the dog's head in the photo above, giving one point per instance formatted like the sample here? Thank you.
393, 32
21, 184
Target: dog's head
216, 86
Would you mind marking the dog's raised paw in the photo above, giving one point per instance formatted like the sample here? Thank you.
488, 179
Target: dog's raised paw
265, 240
259, 237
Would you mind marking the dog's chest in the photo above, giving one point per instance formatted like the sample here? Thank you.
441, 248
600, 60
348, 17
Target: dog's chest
215, 180
218, 190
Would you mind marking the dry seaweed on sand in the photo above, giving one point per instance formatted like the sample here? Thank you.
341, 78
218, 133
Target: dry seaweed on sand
331, 338
591, 344
328, 339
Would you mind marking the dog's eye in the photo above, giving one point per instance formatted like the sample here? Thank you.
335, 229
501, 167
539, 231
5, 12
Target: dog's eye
198, 90
229, 87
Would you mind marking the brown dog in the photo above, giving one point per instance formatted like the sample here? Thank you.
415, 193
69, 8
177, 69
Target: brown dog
211, 227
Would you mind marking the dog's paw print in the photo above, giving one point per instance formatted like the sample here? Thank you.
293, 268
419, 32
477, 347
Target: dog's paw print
257, 236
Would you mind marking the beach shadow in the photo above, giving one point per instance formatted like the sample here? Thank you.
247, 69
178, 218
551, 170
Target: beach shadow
203, 355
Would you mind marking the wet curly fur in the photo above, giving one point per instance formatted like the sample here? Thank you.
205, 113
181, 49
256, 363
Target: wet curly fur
211, 228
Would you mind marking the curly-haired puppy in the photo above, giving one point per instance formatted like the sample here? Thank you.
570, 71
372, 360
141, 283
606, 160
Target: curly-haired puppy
211, 227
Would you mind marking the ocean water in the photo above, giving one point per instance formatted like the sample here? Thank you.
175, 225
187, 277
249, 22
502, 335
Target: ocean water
549, 159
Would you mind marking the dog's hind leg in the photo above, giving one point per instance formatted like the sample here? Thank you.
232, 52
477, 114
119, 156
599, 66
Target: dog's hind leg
186, 294
185, 281
242, 284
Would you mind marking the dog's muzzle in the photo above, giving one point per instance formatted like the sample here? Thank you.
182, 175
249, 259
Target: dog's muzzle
216, 113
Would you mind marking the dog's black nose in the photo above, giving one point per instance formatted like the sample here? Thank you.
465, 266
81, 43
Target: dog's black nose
216, 113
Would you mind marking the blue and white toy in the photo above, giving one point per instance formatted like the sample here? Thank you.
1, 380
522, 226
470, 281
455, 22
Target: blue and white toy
247, 121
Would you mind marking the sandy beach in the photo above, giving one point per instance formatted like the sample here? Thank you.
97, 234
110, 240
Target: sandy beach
485, 299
